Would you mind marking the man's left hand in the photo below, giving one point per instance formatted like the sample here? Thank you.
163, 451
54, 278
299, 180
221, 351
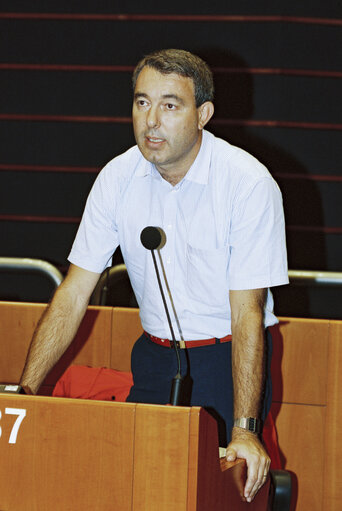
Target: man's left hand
247, 445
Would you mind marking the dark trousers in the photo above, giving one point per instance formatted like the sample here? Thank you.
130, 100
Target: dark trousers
207, 379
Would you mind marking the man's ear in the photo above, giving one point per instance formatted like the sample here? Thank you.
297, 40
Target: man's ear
205, 113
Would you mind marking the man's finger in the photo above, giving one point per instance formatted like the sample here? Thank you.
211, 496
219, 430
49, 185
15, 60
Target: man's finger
258, 480
231, 455
252, 480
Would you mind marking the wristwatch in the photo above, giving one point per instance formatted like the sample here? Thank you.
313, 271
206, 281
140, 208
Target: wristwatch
11, 388
249, 423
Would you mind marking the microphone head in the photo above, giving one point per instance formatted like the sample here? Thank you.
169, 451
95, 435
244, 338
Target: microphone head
153, 237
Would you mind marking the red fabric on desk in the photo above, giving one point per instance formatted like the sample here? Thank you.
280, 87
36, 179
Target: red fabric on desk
83, 382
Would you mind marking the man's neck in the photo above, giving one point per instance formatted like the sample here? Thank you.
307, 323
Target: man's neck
173, 178
176, 174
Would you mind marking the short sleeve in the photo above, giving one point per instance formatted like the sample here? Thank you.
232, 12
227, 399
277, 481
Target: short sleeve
257, 242
97, 236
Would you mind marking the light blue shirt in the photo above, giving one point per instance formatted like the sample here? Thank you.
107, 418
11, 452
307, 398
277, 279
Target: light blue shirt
224, 225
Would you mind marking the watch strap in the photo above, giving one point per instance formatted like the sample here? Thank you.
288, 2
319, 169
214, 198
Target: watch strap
249, 423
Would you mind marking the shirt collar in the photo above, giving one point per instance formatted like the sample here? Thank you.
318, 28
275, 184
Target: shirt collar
199, 170
145, 168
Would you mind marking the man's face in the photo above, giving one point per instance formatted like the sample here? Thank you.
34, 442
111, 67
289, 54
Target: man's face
166, 121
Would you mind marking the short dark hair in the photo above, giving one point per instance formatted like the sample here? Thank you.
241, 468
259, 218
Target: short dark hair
182, 63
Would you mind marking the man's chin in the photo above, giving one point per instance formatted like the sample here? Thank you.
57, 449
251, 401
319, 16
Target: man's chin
153, 157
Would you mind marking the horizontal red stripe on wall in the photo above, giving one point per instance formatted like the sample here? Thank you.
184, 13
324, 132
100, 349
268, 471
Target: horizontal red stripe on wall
171, 17
65, 118
314, 228
17, 66
126, 120
40, 219
129, 69
277, 71
71, 220
309, 177
47, 168
94, 170
278, 124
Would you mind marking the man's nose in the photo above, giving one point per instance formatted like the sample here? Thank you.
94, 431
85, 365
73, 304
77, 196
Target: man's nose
152, 119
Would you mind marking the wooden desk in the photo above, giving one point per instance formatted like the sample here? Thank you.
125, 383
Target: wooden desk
83, 455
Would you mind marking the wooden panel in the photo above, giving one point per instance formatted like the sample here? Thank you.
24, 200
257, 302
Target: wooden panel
195, 412
91, 345
333, 429
220, 483
68, 455
126, 329
17, 324
161, 473
299, 363
301, 439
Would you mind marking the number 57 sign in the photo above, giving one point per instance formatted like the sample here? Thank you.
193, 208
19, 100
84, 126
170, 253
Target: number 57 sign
20, 413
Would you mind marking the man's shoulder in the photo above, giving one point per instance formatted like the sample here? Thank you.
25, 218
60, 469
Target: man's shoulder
118, 173
124, 162
236, 161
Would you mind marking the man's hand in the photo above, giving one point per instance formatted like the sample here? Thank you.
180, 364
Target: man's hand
247, 445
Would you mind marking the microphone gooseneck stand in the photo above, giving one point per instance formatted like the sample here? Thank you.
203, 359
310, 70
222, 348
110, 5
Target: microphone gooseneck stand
154, 238
177, 380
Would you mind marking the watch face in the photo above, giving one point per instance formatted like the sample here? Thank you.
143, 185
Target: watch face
10, 388
252, 423
255, 425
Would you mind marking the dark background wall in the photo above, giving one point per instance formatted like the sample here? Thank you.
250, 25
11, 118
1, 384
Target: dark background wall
65, 101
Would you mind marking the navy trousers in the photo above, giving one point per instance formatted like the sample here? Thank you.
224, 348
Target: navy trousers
207, 379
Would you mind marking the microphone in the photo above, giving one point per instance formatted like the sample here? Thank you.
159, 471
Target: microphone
154, 238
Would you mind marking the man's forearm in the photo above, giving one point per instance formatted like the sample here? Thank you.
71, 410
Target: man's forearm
248, 367
248, 355
52, 337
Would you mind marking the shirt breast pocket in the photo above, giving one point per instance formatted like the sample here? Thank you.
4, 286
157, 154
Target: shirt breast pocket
207, 271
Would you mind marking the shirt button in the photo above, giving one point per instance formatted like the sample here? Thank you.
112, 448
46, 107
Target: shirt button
169, 227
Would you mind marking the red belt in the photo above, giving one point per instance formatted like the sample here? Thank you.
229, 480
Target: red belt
188, 344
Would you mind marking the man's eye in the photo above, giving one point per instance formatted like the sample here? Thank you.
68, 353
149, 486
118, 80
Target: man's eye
142, 102
170, 106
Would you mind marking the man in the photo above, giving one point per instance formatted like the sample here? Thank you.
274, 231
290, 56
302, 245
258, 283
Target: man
222, 214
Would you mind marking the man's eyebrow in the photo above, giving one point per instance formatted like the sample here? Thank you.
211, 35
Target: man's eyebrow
173, 96
139, 95
164, 96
